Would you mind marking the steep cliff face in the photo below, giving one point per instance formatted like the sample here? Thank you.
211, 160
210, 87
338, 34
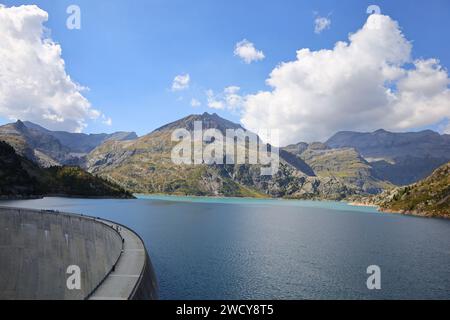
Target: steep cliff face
34, 145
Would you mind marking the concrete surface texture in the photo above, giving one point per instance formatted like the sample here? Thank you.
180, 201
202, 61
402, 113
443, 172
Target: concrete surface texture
133, 276
37, 247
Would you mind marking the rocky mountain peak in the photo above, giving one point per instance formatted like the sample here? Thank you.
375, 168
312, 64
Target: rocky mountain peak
19, 124
16, 128
209, 121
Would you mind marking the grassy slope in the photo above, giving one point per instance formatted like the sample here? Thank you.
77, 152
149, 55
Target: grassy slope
145, 166
148, 168
429, 197
345, 165
77, 182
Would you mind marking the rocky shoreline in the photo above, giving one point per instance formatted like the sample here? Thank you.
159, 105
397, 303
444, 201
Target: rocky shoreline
415, 213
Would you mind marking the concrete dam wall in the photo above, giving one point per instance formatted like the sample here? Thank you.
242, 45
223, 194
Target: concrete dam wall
38, 247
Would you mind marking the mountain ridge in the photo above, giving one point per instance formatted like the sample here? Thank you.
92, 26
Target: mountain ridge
22, 178
82, 142
401, 158
51, 148
129, 163
334, 170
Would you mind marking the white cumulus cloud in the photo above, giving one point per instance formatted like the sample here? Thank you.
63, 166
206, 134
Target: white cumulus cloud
34, 85
229, 99
181, 82
195, 103
214, 101
367, 83
106, 120
247, 52
321, 23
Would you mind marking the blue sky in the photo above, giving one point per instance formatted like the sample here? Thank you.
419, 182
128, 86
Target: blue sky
128, 52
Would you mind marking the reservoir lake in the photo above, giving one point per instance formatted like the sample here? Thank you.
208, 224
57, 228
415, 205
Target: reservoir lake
227, 248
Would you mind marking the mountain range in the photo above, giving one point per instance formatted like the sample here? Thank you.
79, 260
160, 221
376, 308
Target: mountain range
349, 163
53, 148
401, 158
22, 178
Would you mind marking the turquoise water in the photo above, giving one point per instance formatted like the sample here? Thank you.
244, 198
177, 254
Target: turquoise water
333, 205
213, 248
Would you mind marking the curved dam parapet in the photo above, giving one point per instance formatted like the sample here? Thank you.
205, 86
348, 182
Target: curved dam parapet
39, 251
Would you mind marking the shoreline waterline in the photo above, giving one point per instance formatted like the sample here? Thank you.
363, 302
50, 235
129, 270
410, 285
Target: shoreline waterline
326, 204
313, 203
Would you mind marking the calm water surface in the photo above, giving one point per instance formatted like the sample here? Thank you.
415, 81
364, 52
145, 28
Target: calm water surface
206, 248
